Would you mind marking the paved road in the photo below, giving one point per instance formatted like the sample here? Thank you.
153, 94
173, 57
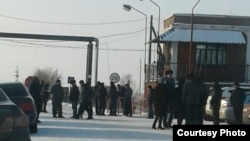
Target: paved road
101, 128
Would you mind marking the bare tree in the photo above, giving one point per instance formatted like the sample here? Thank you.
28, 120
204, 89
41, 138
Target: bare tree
48, 75
128, 79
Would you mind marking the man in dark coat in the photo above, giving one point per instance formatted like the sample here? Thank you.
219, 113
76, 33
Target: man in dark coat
160, 63
102, 99
150, 102
128, 100
74, 97
120, 93
86, 102
180, 110
169, 91
237, 101
112, 99
45, 96
215, 102
192, 97
97, 95
158, 101
57, 94
35, 91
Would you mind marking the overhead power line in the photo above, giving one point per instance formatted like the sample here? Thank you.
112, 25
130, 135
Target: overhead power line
62, 23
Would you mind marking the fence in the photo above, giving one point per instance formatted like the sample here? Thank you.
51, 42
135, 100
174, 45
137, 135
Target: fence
225, 73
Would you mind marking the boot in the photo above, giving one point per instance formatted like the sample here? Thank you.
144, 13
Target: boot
159, 126
154, 123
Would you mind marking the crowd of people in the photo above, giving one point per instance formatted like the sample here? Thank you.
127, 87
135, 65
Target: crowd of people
187, 101
82, 98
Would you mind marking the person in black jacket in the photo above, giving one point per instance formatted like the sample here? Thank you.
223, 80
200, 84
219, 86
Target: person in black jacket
120, 93
102, 99
169, 91
150, 102
237, 101
193, 97
57, 94
215, 102
112, 99
35, 91
45, 96
74, 97
180, 110
128, 101
159, 103
86, 102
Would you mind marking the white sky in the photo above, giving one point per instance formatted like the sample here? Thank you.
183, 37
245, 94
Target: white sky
29, 55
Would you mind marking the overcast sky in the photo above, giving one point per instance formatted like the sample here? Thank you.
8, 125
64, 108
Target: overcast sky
121, 33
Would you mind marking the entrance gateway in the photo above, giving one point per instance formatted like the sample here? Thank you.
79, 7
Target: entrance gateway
66, 38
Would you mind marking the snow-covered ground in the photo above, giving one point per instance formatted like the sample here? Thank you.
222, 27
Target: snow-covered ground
101, 128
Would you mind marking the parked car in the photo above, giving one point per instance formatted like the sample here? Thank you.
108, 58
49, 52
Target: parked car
19, 94
229, 115
224, 102
14, 123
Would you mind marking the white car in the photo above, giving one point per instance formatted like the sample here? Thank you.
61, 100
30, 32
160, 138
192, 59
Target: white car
224, 102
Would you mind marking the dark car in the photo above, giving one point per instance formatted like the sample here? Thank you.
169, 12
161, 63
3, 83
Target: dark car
19, 94
14, 123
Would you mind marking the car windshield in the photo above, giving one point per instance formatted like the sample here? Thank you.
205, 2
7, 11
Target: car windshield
14, 90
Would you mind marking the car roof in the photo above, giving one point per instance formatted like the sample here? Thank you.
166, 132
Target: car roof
226, 90
11, 83
231, 88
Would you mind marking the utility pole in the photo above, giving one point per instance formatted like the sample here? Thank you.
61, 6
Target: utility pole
17, 74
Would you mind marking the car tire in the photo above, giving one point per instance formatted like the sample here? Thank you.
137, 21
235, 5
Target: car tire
33, 128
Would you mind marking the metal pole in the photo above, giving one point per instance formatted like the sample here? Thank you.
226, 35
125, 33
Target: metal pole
89, 62
191, 38
96, 60
158, 36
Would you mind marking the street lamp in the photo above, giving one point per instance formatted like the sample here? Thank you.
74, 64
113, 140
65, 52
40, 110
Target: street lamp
191, 38
128, 7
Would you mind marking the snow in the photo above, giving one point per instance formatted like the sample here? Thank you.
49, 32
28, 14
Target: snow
101, 128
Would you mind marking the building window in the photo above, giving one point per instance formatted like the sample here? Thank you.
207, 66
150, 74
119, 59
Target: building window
211, 54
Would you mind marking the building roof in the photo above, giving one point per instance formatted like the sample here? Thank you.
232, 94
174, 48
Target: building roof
202, 35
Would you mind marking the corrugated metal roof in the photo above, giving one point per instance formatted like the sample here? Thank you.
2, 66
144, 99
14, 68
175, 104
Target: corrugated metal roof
207, 36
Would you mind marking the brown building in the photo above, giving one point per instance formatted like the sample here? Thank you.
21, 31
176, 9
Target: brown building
215, 47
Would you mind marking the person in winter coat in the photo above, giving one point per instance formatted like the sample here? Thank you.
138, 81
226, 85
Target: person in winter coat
35, 91
215, 102
81, 94
128, 100
150, 102
169, 91
192, 97
45, 96
74, 98
57, 94
86, 102
180, 109
112, 99
97, 95
158, 101
237, 101
120, 92
102, 99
